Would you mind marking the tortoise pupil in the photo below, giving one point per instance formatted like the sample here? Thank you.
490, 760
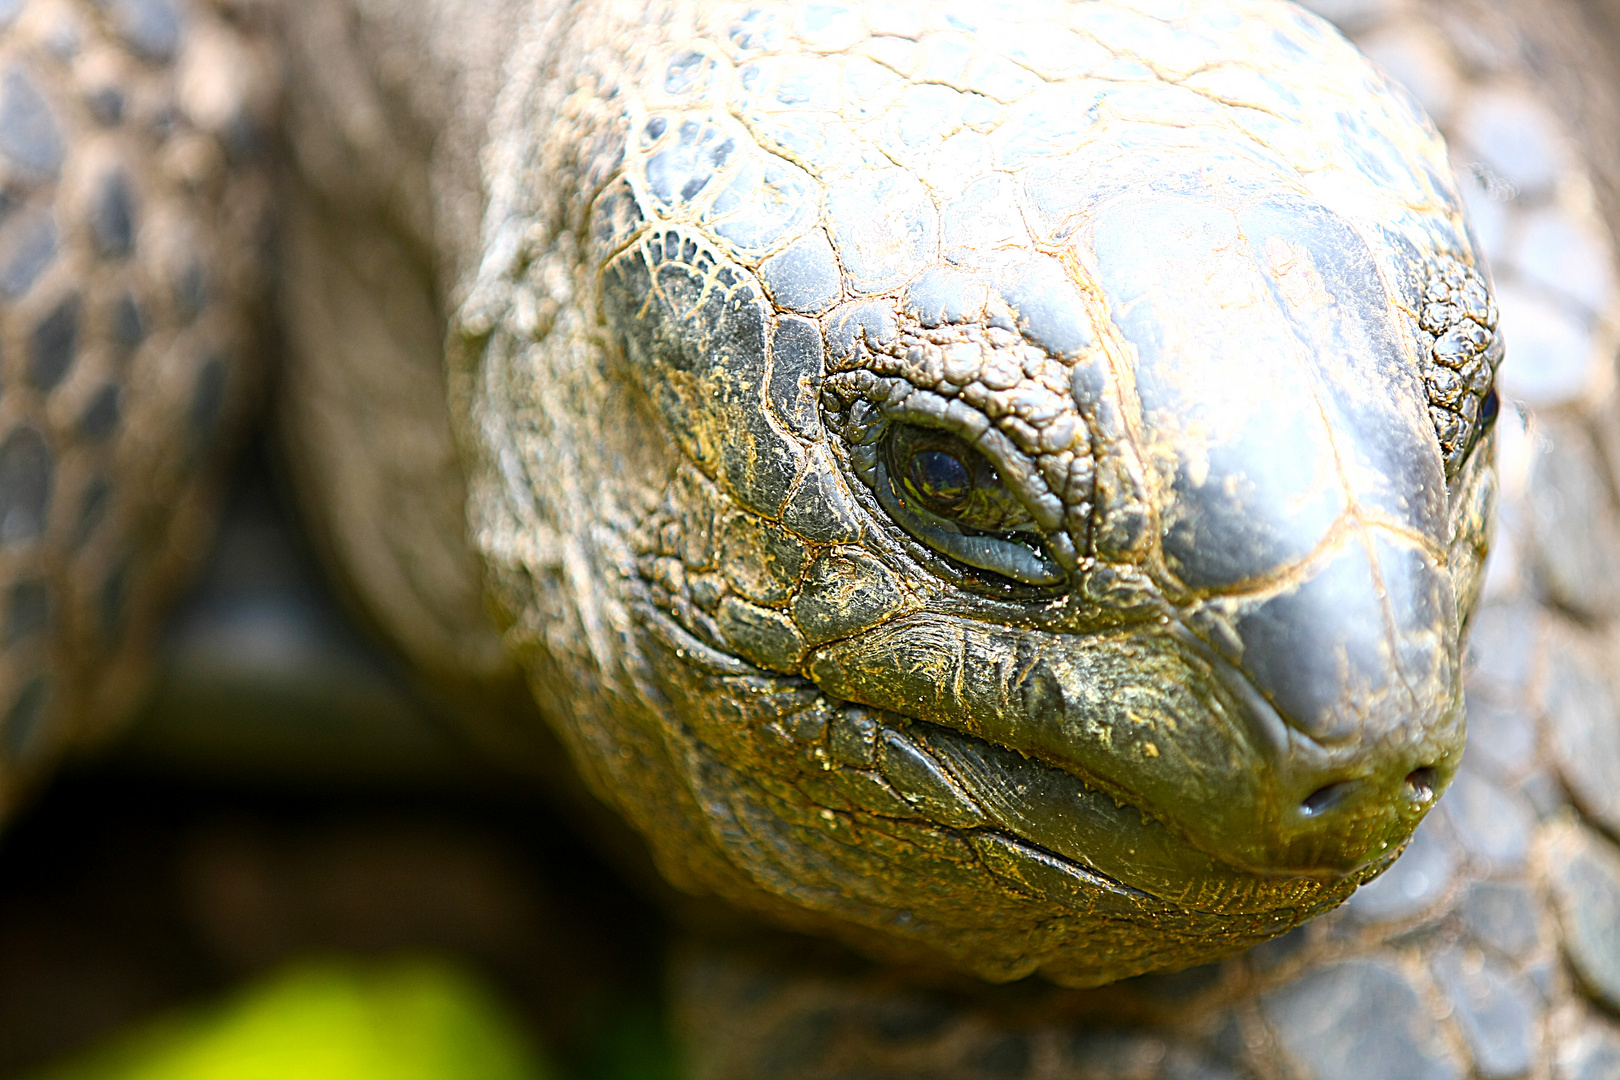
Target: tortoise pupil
939, 477
1488, 410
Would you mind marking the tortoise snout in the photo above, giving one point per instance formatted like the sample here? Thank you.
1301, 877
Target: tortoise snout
1342, 816
1363, 647
1351, 681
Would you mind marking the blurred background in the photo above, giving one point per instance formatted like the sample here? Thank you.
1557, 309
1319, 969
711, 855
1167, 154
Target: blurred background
291, 864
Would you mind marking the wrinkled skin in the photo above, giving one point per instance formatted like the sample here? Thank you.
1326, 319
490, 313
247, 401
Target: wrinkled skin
1006, 491
1165, 657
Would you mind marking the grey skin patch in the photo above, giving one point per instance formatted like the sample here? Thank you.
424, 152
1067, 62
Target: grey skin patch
28, 244
946, 296
798, 365
53, 345
821, 509
917, 776
767, 202
759, 559
150, 27
886, 228
871, 321
112, 216
1586, 883
29, 135
845, 592
853, 738
693, 328
695, 154
688, 73
804, 278
1356, 1020
1263, 466
1307, 646
1049, 122
983, 222
26, 473
762, 636
1049, 309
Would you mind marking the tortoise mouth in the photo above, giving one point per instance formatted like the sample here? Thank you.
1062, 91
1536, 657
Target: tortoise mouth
1343, 803
1165, 772
1056, 818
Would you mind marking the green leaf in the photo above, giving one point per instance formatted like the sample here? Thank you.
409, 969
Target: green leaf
411, 1019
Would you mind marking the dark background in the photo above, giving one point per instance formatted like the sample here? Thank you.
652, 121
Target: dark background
287, 793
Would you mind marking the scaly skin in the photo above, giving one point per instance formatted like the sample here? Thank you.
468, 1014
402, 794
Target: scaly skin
1190, 671
1097, 734
1478, 954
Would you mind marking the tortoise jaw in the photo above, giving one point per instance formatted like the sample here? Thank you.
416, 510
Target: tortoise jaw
1055, 810
1180, 734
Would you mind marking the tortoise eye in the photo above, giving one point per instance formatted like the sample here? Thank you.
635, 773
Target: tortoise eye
949, 496
938, 479
1458, 319
937, 472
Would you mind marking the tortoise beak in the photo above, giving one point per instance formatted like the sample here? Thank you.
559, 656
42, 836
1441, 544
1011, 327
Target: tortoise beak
1307, 746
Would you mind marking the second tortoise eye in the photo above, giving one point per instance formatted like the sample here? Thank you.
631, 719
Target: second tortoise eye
939, 479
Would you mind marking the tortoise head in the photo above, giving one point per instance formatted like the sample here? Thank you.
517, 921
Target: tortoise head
1187, 506
1042, 540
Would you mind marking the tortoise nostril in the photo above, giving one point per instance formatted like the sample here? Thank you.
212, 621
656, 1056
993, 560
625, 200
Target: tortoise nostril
1421, 784
1325, 798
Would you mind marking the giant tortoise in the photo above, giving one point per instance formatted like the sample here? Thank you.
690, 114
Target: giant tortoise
1003, 488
